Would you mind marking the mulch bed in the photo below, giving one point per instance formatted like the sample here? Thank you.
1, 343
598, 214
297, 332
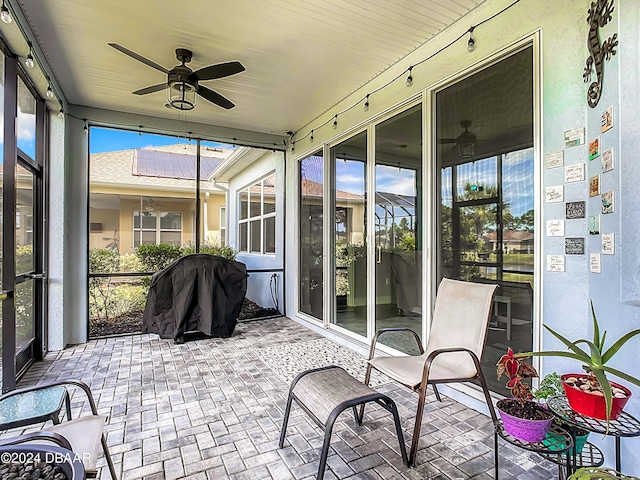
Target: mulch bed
132, 322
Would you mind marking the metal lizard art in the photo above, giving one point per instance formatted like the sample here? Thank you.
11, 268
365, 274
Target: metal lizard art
598, 16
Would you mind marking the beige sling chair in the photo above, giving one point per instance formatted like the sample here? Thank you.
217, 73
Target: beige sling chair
455, 345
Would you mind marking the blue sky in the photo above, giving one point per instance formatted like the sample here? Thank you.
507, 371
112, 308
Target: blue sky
111, 140
350, 175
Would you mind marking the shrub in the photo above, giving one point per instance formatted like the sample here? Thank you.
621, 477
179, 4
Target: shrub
220, 251
156, 257
130, 262
212, 249
101, 260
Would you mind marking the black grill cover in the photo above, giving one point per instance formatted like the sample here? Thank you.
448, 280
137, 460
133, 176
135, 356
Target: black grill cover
199, 292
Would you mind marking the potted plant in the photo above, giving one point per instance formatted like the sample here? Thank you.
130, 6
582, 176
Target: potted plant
592, 394
521, 417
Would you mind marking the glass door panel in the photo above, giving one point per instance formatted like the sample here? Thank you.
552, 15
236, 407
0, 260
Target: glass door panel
486, 183
350, 222
25, 186
398, 217
25, 314
311, 289
24, 258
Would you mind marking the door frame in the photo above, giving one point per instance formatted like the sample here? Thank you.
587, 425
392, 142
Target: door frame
15, 364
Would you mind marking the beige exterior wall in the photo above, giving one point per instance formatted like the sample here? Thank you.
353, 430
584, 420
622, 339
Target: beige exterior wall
119, 222
110, 227
213, 204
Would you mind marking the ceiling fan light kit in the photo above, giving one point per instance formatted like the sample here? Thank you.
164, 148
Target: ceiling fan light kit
182, 93
466, 141
466, 150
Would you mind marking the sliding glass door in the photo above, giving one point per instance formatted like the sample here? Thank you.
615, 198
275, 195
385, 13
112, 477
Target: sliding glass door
349, 216
398, 219
485, 165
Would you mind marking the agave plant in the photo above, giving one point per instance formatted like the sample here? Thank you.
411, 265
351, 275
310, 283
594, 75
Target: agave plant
594, 357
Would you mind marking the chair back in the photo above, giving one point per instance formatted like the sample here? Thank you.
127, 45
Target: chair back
460, 319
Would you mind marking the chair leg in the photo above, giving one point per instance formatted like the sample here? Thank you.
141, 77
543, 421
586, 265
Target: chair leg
325, 447
435, 390
396, 420
107, 455
357, 416
367, 378
416, 429
285, 420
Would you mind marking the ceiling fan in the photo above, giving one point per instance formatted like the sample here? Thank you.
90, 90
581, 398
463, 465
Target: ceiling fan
465, 141
151, 205
183, 82
465, 137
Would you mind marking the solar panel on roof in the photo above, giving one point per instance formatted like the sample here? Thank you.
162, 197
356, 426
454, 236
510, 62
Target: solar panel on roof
153, 163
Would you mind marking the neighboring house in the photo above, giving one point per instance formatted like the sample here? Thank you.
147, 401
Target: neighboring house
514, 241
147, 196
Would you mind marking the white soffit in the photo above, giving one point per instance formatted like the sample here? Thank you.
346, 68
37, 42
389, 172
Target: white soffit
301, 57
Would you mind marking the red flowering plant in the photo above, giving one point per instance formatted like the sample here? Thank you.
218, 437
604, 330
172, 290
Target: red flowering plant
513, 366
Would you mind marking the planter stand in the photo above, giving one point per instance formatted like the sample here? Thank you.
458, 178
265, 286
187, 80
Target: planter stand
559, 445
624, 426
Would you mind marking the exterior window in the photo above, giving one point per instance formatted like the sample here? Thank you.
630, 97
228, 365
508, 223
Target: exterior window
223, 226
156, 228
257, 224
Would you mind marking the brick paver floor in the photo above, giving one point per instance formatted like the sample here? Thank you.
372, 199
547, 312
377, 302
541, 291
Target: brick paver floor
213, 408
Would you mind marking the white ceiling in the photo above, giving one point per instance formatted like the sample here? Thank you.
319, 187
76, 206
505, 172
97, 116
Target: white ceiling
301, 56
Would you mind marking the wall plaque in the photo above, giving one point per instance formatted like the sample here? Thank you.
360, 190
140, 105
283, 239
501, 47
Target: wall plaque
575, 210
574, 246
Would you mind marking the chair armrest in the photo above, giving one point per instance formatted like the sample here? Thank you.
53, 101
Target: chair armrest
34, 436
372, 350
76, 383
476, 361
431, 357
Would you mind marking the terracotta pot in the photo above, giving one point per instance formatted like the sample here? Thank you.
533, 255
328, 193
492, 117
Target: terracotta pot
522, 428
591, 405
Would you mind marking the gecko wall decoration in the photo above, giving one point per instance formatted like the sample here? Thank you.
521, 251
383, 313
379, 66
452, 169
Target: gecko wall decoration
598, 16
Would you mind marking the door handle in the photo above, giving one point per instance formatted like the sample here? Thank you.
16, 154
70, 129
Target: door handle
37, 276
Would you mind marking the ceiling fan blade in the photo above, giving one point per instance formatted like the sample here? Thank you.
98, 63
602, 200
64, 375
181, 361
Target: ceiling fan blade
138, 57
218, 70
151, 89
215, 97
447, 140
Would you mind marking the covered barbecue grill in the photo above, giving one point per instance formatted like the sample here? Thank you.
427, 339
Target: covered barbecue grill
195, 293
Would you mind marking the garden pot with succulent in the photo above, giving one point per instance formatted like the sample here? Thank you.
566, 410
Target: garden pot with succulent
604, 399
521, 417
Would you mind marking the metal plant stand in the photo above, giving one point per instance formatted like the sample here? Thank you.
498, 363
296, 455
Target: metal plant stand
623, 426
556, 446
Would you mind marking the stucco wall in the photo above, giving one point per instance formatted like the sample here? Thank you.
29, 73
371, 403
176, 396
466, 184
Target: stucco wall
562, 297
258, 284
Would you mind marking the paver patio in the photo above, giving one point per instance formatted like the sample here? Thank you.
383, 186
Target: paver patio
213, 408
